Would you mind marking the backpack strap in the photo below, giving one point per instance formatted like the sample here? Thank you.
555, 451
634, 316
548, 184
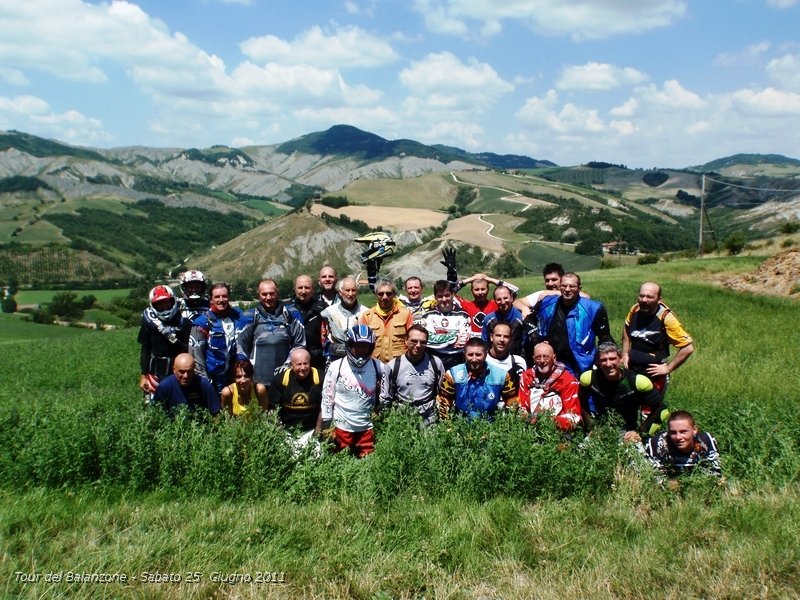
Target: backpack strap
393, 377
314, 376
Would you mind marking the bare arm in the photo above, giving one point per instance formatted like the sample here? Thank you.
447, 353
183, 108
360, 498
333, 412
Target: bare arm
677, 360
261, 394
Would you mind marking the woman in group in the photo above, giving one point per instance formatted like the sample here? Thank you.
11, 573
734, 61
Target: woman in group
244, 395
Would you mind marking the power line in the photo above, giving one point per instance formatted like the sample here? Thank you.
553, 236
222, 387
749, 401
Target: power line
747, 187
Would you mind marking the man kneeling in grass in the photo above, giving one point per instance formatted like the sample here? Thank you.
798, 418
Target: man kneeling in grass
683, 448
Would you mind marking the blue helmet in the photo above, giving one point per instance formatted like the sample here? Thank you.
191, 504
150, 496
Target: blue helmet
356, 334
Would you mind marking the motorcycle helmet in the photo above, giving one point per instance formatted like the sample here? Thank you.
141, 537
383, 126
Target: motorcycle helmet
191, 276
159, 294
379, 244
357, 334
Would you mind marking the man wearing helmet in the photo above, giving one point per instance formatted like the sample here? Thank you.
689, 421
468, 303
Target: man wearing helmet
163, 334
193, 289
350, 393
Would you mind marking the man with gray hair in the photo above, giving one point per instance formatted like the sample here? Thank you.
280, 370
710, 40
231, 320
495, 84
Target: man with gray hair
339, 318
389, 321
611, 387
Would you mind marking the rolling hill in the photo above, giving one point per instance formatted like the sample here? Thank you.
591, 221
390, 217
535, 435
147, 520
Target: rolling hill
148, 210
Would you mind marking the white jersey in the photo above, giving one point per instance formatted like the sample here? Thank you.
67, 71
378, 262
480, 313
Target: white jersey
349, 394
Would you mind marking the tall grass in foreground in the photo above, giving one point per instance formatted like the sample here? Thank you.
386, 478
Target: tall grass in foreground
637, 543
92, 482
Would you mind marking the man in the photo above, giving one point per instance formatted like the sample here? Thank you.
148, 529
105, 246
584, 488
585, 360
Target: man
193, 288
186, 388
500, 352
505, 313
350, 394
413, 299
339, 318
163, 334
448, 328
327, 284
572, 324
475, 388
389, 321
297, 393
413, 378
612, 387
682, 448
552, 273
650, 328
309, 306
481, 305
272, 332
548, 388
213, 342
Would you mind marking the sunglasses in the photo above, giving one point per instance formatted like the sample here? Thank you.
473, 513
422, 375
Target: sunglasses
384, 294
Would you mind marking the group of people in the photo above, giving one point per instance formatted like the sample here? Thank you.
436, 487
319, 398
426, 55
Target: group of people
326, 363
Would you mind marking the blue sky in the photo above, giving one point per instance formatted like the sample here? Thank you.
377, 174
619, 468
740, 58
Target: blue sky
668, 83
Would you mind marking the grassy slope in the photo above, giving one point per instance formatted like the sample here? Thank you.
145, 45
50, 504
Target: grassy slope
633, 541
434, 191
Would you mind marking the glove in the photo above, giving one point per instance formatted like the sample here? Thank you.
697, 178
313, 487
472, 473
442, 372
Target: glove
449, 262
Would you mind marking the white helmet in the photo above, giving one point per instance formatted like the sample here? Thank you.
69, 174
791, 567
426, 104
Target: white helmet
190, 276
160, 293
356, 334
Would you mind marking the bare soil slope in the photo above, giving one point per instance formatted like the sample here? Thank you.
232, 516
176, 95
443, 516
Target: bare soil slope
777, 276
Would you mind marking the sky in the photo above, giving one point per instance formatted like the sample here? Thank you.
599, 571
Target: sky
644, 83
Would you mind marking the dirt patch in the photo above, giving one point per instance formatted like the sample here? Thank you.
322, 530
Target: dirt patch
473, 230
394, 219
777, 276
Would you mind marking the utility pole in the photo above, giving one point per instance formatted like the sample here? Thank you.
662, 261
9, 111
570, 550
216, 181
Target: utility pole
702, 213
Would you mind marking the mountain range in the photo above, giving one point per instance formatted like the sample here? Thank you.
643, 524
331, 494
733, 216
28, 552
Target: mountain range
133, 211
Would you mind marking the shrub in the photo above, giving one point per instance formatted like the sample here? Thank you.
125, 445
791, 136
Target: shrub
9, 305
647, 259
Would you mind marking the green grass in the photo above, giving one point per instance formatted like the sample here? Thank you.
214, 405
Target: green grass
535, 256
97, 315
270, 209
14, 329
90, 482
42, 296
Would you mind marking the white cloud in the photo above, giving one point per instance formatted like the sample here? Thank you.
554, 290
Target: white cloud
748, 57
625, 110
785, 71
782, 3
438, 20
351, 8
671, 97
347, 47
443, 73
13, 76
767, 103
30, 113
598, 76
569, 120
581, 19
